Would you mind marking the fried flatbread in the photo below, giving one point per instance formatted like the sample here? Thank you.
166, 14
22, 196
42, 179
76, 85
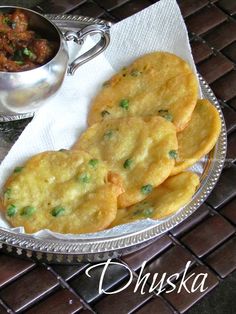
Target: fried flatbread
199, 137
140, 153
64, 191
165, 200
158, 83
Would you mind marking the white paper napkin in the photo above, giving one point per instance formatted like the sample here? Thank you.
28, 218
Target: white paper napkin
60, 122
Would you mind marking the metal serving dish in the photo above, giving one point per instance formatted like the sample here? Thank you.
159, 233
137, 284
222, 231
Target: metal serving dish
25, 91
95, 249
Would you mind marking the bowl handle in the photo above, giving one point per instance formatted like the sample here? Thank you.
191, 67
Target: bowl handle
79, 36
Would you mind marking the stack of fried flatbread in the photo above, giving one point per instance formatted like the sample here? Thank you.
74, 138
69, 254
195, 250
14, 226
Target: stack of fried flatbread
146, 127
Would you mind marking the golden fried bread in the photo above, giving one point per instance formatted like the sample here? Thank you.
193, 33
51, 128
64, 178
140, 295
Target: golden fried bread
199, 137
140, 153
64, 191
146, 127
165, 200
158, 83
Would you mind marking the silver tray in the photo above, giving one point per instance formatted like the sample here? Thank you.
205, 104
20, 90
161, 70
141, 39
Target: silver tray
95, 249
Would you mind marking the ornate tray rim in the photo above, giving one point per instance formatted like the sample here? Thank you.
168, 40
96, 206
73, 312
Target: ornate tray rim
102, 248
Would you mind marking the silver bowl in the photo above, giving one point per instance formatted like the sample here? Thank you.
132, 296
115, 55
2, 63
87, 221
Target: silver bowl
22, 92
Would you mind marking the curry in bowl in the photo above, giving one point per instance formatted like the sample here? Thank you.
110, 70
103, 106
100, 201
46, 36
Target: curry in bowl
22, 48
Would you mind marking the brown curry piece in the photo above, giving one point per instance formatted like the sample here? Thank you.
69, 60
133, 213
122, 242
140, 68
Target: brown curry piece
21, 49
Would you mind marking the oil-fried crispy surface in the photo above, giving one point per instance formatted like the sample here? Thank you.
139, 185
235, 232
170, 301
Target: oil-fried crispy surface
159, 83
64, 191
199, 137
146, 127
139, 152
165, 200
